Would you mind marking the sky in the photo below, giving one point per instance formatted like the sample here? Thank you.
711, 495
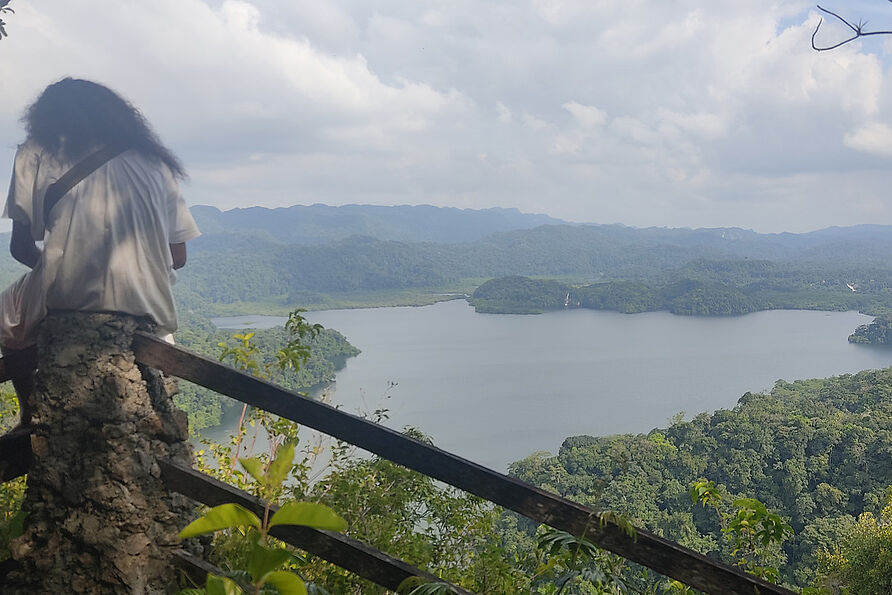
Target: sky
678, 113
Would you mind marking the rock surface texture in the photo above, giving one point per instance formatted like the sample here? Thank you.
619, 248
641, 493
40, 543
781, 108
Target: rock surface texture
99, 519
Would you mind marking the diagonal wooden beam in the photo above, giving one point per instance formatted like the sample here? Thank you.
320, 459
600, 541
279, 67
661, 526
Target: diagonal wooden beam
352, 555
645, 548
194, 567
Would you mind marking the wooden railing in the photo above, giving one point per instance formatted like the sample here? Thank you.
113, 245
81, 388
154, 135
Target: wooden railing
645, 548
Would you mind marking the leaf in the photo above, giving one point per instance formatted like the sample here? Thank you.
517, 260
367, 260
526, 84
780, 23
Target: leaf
286, 583
281, 466
264, 560
219, 585
254, 467
225, 516
308, 514
416, 585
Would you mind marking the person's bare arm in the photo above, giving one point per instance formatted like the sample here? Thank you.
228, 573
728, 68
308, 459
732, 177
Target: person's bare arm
22, 245
178, 253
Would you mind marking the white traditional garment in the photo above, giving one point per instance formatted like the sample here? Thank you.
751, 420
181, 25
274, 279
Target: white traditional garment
106, 247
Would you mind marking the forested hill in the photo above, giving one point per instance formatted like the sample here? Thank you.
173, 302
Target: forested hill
226, 268
317, 224
816, 451
263, 260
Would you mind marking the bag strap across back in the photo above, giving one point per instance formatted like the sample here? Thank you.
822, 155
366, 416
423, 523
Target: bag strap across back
78, 172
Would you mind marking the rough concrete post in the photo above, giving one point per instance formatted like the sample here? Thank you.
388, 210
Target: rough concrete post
99, 519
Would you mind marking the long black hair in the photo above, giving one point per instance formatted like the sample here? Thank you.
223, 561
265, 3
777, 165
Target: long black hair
73, 116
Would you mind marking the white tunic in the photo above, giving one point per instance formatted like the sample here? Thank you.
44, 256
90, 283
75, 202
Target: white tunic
106, 246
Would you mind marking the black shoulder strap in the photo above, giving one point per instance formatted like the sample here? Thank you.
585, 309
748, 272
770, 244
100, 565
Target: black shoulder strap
73, 176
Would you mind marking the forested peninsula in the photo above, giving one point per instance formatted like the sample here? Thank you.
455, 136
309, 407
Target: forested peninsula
329, 351
701, 288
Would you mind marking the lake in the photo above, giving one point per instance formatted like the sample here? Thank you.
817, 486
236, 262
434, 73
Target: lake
496, 387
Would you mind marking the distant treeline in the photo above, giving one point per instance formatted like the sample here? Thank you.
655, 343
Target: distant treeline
231, 268
699, 289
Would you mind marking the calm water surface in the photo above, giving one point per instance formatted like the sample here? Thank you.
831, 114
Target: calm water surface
495, 387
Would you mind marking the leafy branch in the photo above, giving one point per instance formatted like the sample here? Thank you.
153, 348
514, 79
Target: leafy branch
856, 28
268, 562
245, 356
755, 534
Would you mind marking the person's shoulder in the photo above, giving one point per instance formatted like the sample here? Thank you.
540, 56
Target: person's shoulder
149, 163
29, 149
150, 168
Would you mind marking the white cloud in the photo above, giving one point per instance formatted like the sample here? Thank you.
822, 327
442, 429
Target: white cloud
504, 113
874, 137
685, 112
587, 116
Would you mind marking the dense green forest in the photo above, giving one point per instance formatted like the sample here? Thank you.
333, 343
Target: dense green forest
878, 332
328, 352
272, 260
586, 255
816, 451
703, 288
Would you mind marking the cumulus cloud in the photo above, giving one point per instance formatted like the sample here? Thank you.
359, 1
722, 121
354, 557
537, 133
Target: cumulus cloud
874, 137
684, 112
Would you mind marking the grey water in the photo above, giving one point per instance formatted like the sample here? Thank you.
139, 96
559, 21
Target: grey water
495, 388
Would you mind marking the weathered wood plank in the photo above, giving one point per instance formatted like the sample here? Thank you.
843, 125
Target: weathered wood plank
194, 567
352, 555
647, 549
15, 453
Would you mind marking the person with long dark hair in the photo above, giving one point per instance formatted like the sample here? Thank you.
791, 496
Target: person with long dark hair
112, 239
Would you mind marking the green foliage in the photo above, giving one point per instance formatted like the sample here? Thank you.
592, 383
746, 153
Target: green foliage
738, 271
574, 565
698, 289
247, 355
518, 295
224, 516
755, 534
399, 511
410, 516
415, 585
264, 560
861, 562
878, 332
815, 452
320, 353
11, 492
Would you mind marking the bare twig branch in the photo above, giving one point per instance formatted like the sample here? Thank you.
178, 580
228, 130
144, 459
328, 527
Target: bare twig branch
4, 7
857, 31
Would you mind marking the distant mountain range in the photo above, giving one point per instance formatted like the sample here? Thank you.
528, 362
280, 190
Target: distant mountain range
260, 228
318, 224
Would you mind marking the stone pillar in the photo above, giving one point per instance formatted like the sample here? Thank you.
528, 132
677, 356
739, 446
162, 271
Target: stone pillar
99, 519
